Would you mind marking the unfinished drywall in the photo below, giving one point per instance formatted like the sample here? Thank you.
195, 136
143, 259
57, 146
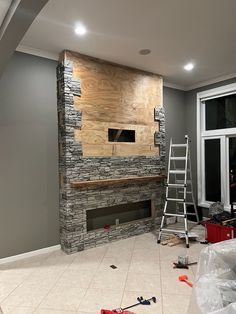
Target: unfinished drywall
29, 156
119, 98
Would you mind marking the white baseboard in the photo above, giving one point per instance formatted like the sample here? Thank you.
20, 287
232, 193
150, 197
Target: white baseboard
29, 254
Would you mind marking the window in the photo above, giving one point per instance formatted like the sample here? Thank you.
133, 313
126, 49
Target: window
212, 170
216, 145
221, 112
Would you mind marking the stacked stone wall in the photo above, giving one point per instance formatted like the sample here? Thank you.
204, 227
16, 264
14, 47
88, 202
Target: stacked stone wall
74, 167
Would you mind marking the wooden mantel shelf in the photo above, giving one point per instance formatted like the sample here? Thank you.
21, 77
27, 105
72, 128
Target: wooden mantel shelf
118, 181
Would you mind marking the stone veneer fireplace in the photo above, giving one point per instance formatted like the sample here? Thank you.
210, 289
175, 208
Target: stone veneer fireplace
97, 170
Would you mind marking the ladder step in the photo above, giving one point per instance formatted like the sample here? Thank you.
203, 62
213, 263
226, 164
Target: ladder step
183, 189
175, 185
188, 192
177, 171
172, 230
174, 215
178, 145
175, 199
182, 181
186, 203
178, 158
188, 170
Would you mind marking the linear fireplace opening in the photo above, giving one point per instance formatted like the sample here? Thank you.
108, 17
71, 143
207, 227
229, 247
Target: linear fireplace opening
118, 214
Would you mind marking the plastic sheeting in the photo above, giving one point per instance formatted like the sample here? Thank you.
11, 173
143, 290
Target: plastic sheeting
214, 290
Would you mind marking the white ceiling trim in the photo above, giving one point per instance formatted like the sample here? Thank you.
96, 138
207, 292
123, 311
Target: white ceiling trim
38, 52
55, 56
175, 86
213, 81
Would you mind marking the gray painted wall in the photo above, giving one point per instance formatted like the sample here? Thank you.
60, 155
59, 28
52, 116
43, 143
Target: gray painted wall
174, 103
191, 122
29, 158
173, 100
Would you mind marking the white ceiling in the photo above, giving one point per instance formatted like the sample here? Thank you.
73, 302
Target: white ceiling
4, 6
176, 31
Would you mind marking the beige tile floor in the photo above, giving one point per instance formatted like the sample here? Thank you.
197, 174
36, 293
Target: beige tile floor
83, 283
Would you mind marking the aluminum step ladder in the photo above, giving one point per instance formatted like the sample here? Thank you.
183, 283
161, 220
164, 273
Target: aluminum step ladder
179, 189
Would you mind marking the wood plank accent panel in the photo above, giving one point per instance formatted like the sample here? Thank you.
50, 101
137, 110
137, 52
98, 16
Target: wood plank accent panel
94, 138
119, 181
114, 96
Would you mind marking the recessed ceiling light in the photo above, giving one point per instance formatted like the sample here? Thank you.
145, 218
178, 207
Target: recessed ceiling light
80, 30
144, 52
189, 66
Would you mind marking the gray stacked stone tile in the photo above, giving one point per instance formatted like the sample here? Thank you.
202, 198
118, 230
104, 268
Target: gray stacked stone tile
74, 203
159, 137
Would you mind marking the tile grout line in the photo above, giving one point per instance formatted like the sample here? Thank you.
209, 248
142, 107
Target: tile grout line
21, 281
86, 290
59, 277
122, 298
41, 262
101, 263
162, 307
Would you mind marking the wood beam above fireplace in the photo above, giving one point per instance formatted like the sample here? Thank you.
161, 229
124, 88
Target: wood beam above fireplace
117, 181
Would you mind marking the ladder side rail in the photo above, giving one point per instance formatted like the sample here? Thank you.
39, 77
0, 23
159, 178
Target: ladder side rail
186, 166
168, 170
175, 178
162, 222
186, 225
187, 187
185, 190
191, 187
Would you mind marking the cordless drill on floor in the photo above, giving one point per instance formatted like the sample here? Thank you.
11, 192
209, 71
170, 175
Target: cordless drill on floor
115, 312
141, 301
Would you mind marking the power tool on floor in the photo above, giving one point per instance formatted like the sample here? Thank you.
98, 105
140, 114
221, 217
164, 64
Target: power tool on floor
115, 312
141, 301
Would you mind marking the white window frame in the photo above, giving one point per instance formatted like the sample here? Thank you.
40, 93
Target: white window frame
222, 134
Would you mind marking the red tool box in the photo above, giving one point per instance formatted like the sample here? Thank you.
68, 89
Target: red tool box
221, 226
217, 233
